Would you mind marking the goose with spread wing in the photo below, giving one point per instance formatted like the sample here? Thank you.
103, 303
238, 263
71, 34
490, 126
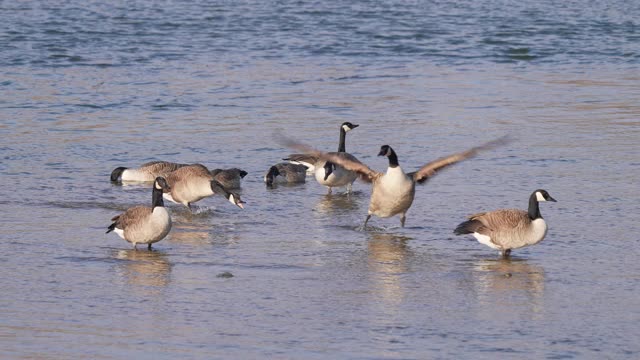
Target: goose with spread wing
394, 190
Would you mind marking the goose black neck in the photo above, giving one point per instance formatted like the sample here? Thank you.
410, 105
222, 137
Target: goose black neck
156, 197
217, 188
534, 207
393, 158
343, 137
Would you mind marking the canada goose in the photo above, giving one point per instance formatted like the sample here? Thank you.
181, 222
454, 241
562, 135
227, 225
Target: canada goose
392, 192
326, 172
286, 173
507, 229
143, 224
147, 172
194, 182
229, 178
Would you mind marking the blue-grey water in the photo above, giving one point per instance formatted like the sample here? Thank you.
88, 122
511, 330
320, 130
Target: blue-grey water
89, 86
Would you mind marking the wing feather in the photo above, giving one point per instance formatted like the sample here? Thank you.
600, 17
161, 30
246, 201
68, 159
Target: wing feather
348, 162
432, 168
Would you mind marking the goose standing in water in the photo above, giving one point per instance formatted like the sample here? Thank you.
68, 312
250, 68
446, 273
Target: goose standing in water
194, 182
327, 173
286, 173
143, 224
392, 191
508, 229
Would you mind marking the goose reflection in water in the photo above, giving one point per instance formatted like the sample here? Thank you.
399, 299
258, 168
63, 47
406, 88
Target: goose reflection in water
190, 235
387, 256
503, 285
144, 269
337, 204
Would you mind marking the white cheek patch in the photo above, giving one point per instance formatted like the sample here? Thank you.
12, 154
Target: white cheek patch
539, 196
232, 199
345, 128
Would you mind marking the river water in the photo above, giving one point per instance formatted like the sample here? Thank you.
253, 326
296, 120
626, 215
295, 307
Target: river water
89, 86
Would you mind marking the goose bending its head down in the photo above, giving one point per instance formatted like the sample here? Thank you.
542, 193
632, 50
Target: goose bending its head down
194, 182
285, 173
144, 224
327, 173
507, 229
393, 191
147, 172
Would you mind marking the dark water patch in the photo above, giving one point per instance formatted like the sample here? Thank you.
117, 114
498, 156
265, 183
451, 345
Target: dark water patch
90, 259
117, 205
171, 105
90, 106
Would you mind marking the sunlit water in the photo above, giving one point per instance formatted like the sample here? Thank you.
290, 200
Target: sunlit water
87, 88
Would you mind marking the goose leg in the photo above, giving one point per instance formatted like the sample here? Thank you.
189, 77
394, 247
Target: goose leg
349, 186
329, 192
505, 253
403, 217
149, 247
135, 246
366, 221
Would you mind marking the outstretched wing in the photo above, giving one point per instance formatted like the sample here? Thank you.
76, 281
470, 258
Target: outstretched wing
337, 158
302, 159
432, 168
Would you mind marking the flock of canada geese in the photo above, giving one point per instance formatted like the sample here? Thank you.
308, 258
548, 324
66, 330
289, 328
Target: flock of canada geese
392, 192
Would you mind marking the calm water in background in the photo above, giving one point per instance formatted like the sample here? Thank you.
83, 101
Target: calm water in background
89, 87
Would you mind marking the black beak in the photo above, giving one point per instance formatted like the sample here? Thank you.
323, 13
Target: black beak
551, 199
353, 126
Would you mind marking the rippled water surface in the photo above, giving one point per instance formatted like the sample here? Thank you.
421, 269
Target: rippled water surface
89, 87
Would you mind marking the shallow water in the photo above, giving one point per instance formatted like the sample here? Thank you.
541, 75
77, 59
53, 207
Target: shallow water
87, 88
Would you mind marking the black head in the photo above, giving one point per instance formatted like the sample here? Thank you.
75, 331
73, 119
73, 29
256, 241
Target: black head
385, 150
328, 169
117, 173
543, 195
161, 184
346, 126
273, 172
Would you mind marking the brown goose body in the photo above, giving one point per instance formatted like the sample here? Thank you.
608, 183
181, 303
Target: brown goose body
507, 229
144, 224
286, 173
193, 183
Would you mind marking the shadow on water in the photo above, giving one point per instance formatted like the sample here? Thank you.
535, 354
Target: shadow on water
503, 284
143, 269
